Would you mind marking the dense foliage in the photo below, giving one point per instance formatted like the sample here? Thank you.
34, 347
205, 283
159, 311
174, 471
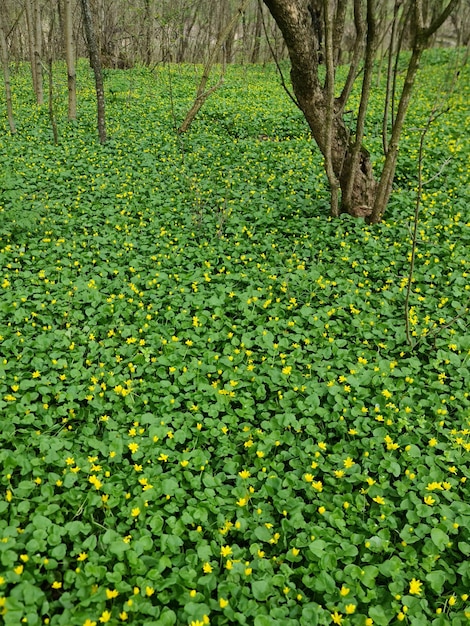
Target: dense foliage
210, 412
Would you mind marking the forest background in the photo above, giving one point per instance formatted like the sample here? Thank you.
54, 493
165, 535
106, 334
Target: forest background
219, 403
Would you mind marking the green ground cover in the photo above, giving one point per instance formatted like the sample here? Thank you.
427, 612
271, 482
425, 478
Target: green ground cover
210, 412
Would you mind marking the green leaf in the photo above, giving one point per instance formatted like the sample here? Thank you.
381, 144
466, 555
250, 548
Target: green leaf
118, 547
264, 620
263, 534
167, 618
261, 589
439, 538
380, 617
437, 580
317, 547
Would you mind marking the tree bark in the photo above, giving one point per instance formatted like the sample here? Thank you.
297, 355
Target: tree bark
70, 60
38, 50
148, 32
96, 65
29, 8
6, 76
346, 159
257, 35
421, 37
295, 19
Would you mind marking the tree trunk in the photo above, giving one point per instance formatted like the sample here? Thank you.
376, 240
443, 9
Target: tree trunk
422, 35
38, 50
148, 32
96, 65
6, 76
297, 22
347, 161
202, 93
70, 60
31, 44
257, 35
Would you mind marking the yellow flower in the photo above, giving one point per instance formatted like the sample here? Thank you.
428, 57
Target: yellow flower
348, 462
112, 593
82, 556
135, 512
344, 590
225, 550
244, 474
415, 587
149, 591
429, 500
89, 622
133, 447
223, 603
379, 500
207, 568
56, 584
337, 618
242, 501
350, 608
105, 617
434, 485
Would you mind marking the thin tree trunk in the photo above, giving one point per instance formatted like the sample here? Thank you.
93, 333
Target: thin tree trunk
356, 56
384, 187
6, 76
70, 60
422, 35
339, 19
347, 160
296, 22
330, 95
202, 94
388, 92
38, 51
257, 34
361, 118
96, 65
148, 32
31, 45
52, 116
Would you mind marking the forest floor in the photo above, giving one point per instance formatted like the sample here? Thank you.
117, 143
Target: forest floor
210, 409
